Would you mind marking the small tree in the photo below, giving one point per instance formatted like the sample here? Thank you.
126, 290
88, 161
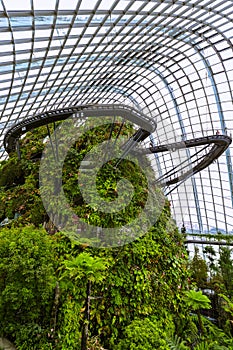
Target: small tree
226, 267
85, 267
199, 270
197, 301
211, 256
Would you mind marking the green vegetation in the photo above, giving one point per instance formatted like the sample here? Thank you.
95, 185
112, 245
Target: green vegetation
64, 294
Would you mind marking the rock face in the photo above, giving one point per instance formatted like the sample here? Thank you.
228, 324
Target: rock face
6, 344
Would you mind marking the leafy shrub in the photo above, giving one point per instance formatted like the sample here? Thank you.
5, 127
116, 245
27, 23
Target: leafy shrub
26, 282
144, 334
144, 278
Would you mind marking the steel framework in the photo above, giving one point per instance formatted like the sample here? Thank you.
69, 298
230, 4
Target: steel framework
169, 60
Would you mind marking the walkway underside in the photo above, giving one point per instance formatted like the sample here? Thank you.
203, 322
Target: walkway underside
219, 144
80, 111
193, 164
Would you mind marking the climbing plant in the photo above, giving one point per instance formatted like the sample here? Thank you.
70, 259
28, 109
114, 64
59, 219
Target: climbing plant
68, 294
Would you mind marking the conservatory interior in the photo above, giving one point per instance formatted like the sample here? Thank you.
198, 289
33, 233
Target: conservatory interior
116, 174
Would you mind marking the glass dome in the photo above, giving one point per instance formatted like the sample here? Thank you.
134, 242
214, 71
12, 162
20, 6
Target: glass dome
172, 60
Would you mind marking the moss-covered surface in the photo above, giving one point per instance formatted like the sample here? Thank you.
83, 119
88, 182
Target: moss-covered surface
136, 293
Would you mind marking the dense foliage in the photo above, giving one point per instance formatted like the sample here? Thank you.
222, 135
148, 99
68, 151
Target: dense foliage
59, 293
27, 281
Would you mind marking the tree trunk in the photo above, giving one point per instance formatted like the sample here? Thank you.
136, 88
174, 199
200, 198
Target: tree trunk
202, 329
86, 318
53, 322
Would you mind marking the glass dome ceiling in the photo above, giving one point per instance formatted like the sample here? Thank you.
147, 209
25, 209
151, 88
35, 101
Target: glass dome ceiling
170, 59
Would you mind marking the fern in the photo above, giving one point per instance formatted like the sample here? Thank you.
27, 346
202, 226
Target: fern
176, 343
210, 346
202, 346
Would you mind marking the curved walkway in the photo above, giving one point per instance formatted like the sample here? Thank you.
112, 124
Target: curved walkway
147, 126
220, 144
81, 111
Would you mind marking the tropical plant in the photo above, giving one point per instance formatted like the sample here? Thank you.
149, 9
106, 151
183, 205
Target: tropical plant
199, 270
91, 270
210, 253
138, 281
227, 305
176, 343
226, 266
27, 282
145, 334
197, 301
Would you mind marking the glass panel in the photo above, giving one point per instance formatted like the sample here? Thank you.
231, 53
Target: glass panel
43, 20
12, 5
44, 4
20, 21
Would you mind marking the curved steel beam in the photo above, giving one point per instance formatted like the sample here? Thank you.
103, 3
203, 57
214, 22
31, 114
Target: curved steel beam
220, 144
147, 124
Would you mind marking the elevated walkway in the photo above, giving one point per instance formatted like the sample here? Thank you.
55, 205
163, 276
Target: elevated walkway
219, 144
147, 125
145, 122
